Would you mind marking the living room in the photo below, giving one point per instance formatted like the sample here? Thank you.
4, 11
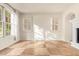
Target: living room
39, 29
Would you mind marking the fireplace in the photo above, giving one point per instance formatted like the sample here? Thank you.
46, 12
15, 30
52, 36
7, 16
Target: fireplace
77, 35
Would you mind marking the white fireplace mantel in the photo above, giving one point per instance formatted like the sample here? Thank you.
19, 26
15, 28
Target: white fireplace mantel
75, 25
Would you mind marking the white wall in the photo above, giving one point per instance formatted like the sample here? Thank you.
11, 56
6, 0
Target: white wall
6, 42
43, 21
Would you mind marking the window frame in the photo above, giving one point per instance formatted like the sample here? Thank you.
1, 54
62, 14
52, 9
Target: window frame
7, 23
3, 20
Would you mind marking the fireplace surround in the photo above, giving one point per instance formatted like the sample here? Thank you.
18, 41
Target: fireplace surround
75, 33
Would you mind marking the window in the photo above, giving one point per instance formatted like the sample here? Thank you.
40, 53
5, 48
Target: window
5, 22
8, 22
54, 24
1, 31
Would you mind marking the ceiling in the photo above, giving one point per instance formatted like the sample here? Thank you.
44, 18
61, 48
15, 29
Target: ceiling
41, 7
